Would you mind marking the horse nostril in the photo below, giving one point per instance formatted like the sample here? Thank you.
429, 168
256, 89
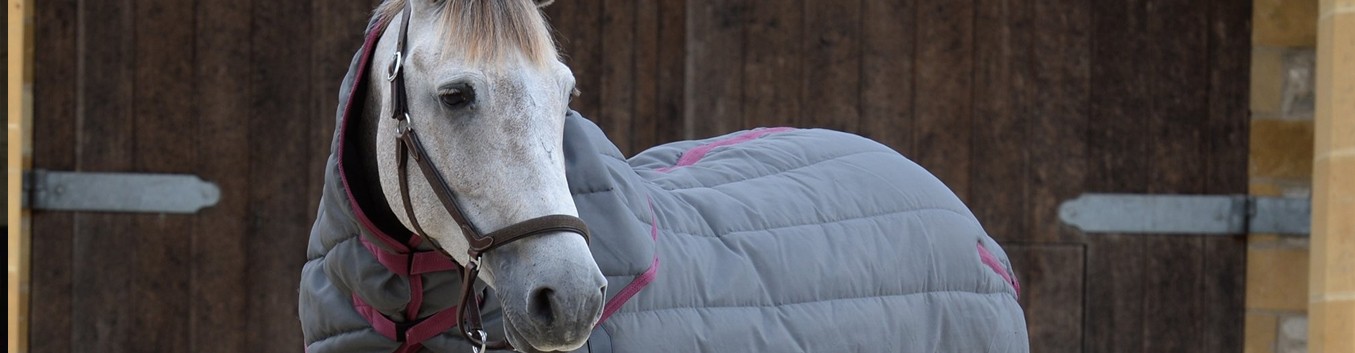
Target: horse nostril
541, 306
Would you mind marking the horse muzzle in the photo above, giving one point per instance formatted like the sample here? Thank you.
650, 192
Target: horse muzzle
550, 302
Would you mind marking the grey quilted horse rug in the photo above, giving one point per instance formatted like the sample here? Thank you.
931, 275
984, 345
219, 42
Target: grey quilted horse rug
766, 240
787, 240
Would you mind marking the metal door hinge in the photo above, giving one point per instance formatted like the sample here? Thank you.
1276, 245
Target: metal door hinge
1187, 214
118, 192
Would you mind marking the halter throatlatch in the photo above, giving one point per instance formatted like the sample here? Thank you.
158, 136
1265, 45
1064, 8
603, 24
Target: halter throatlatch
409, 147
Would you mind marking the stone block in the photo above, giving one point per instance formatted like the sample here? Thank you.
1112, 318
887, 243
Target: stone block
1297, 96
1333, 327
1277, 279
1264, 187
1333, 207
1284, 23
1267, 81
1280, 187
1262, 239
1282, 82
1330, 6
1293, 335
1281, 149
1260, 331
1271, 241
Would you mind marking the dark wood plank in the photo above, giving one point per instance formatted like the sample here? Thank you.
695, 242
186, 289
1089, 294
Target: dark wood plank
943, 110
1225, 286
832, 58
672, 49
999, 161
1179, 102
1114, 305
578, 25
773, 70
1056, 103
103, 307
220, 275
278, 139
1115, 138
163, 115
714, 75
1229, 77
1176, 120
617, 93
1117, 145
338, 33
162, 104
1051, 294
1225, 258
1172, 300
55, 63
643, 129
888, 47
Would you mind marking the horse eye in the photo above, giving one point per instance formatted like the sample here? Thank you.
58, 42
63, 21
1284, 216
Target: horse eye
456, 95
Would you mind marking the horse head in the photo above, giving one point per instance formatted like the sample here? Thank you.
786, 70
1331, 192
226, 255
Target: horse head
482, 85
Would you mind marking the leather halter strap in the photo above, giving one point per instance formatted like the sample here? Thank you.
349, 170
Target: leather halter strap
410, 147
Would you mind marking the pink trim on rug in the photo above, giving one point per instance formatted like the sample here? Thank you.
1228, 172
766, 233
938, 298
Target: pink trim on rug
694, 155
990, 260
640, 281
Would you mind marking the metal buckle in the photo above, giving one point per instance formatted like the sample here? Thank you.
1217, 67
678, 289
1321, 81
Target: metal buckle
396, 65
480, 338
403, 126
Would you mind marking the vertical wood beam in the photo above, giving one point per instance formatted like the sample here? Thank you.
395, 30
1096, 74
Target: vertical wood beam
19, 109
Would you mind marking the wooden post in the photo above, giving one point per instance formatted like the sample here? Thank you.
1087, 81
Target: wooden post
1331, 305
20, 52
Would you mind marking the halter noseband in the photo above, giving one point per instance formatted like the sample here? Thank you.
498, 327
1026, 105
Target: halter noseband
408, 147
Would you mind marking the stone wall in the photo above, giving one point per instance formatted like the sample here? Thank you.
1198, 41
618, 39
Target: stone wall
1284, 35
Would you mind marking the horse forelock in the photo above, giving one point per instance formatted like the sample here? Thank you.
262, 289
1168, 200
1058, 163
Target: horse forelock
488, 30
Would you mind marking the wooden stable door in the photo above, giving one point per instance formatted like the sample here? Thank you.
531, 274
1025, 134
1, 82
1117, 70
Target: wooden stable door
240, 93
1017, 105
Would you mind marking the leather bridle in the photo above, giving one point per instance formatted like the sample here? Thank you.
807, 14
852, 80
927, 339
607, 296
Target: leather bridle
408, 147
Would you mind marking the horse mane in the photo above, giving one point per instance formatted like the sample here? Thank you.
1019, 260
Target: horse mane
485, 30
